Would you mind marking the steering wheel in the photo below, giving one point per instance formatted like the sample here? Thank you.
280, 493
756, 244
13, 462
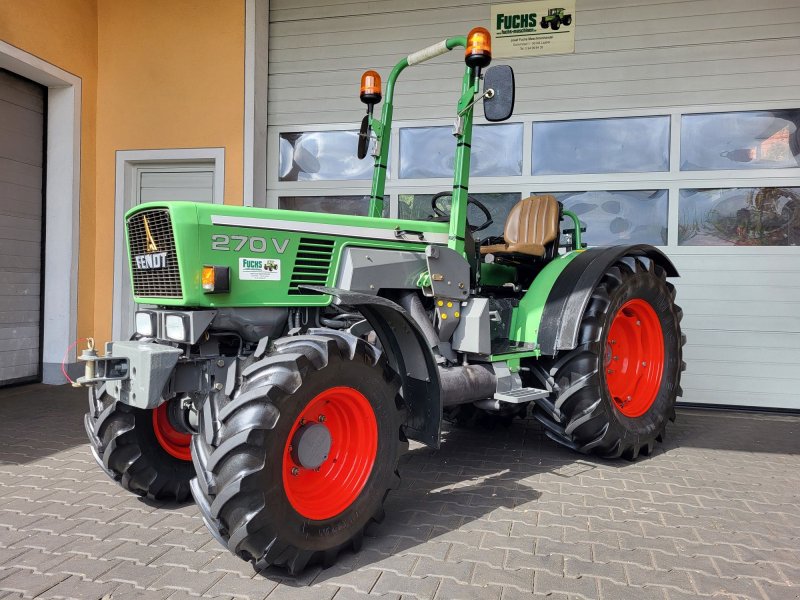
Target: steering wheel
442, 214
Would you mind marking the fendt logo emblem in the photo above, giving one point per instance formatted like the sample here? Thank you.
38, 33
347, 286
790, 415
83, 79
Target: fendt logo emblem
151, 243
156, 260
153, 259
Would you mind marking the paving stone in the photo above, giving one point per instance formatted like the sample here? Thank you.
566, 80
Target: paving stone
30, 584
522, 579
83, 567
419, 587
178, 578
231, 585
513, 517
77, 587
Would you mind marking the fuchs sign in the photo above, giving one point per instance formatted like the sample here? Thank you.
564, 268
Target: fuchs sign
533, 28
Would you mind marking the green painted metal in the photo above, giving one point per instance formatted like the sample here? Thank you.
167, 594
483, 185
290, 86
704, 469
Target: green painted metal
577, 242
383, 129
527, 317
493, 274
194, 245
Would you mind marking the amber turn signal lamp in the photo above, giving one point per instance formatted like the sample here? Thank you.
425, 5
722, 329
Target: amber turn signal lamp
479, 48
215, 279
370, 87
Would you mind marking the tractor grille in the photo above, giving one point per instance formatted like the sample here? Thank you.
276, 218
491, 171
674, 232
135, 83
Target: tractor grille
154, 262
311, 266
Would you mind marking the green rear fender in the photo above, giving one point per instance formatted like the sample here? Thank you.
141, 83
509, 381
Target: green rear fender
527, 317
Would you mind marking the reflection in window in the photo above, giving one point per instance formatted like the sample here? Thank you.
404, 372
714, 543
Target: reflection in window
624, 216
343, 205
418, 207
740, 140
739, 217
321, 155
622, 145
430, 151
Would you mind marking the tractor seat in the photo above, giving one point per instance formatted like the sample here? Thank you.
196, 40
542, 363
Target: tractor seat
530, 226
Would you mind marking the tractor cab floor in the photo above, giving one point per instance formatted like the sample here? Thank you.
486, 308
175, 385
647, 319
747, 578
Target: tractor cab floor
494, 514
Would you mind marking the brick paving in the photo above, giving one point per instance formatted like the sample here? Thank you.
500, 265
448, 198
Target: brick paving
493, 515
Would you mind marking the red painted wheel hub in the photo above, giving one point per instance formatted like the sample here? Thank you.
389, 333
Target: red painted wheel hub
324, 492
634, 359
176, 443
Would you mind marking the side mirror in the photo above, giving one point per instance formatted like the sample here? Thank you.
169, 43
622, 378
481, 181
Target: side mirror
363, 138
500, 105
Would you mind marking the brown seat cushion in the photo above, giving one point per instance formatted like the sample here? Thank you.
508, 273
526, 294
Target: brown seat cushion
530, 226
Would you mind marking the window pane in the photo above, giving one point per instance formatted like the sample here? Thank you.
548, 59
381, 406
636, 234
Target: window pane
621, 217
322, 155
418, 207
740, 140
740, 217
430, 151
343, 205
624, 145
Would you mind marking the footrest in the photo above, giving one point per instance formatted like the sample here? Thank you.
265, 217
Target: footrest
521, 395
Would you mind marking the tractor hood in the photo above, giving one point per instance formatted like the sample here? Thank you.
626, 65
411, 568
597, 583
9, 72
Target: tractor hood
269, 254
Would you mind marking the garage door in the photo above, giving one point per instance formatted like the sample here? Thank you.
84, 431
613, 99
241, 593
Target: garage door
673, 123
22, 105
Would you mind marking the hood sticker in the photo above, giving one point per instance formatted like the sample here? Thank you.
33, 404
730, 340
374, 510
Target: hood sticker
259, 269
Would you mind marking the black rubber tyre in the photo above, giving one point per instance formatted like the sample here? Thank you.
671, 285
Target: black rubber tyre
240, 452
581, 412
556, 25
544, 24
123, 441
567, 20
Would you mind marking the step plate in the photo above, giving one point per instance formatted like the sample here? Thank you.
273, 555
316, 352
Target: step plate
521, 395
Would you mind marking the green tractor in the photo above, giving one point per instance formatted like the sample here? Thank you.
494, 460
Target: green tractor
283, 359
555, 18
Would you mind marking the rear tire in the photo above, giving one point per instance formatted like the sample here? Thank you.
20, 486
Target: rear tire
125, 443
544, 24
613, 397
556, 25
255, 494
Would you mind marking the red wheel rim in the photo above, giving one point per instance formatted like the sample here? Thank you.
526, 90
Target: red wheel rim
175, 442
325, 492
634, 358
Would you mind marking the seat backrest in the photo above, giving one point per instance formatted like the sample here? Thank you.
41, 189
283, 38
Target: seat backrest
533, 220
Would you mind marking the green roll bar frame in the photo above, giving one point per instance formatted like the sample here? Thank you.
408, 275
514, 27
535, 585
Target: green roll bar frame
382, 127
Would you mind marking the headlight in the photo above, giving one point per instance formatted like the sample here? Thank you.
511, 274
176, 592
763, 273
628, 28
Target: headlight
175, 328
146, 323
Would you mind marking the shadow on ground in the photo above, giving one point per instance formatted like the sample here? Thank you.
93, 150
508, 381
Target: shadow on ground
37, 421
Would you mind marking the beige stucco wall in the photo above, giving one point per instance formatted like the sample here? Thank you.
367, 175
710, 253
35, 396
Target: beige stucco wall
154, 75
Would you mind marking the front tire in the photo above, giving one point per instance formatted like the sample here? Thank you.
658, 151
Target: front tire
614, 394
138, 448
298, 462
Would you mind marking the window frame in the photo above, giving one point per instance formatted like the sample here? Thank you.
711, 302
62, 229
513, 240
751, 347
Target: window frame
672, 180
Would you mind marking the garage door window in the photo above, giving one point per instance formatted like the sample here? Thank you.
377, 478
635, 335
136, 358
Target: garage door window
766, 216
321, 156
618, 145
345, 205
620, 217
430, 151
418, 207
740, 140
